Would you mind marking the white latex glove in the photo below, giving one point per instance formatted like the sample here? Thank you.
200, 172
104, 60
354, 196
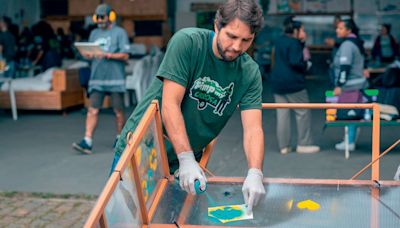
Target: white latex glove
253, 188
189, 172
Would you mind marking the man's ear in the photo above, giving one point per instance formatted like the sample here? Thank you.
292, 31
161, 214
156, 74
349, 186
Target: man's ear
215, 27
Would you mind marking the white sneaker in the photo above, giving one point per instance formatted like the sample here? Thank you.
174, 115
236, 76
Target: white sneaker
307, 149
286, 150
397, 175
341, 146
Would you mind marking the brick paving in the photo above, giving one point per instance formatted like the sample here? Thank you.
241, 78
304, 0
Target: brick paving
44, 210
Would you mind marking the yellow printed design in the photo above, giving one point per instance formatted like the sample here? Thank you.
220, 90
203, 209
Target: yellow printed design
145, 191
153, 159
309, 205
147, 160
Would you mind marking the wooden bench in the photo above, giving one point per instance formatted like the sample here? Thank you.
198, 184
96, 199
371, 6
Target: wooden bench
357, 123
331, 122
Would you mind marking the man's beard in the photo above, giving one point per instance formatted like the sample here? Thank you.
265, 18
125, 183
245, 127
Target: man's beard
222, 54
102, 25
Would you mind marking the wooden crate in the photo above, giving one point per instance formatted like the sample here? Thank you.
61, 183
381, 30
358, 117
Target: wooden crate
66, 80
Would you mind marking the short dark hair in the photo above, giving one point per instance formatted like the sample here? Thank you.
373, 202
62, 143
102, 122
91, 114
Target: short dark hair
247, 11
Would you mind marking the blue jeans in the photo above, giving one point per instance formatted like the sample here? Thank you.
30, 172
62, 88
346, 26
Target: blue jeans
352, 133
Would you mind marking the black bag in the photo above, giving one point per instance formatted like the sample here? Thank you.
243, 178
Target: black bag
389, 79
354, 96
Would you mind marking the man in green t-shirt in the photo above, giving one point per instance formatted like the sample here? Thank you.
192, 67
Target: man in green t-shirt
203, 77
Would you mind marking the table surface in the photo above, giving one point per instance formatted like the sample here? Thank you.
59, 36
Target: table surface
340, 206
376, 70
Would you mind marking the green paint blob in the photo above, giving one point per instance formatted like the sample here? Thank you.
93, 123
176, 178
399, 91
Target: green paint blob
227, 213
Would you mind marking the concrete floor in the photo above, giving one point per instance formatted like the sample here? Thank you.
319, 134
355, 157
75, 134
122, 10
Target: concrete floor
36, 153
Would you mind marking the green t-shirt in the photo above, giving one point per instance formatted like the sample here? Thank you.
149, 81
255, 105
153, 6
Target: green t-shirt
214, 88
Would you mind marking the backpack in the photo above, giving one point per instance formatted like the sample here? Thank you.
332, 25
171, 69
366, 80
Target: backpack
389, 79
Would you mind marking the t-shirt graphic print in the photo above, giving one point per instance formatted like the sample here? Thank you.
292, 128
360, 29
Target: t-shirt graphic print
208, 92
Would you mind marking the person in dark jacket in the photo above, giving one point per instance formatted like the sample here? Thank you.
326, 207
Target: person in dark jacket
385, 49
288, 86
8, 47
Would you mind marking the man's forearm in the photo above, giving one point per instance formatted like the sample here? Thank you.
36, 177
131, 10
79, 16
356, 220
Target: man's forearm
175, 126
117, 56
254, 147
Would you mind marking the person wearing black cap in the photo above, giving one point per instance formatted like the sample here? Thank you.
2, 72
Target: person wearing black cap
107, 72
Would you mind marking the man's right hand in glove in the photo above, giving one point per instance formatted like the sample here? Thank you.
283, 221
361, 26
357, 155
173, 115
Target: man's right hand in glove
189, 172
253, 188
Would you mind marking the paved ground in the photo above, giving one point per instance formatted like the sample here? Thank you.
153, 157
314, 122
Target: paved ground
43, 210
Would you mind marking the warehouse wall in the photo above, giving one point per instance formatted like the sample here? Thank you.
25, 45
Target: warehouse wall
22, 12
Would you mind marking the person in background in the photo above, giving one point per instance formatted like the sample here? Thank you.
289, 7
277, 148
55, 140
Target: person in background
349, 65
107, 73
12, 27
204, 76
288, 86
36, 53
9, 49
23, 48
333, 43
65, 44
386, 48
44, 51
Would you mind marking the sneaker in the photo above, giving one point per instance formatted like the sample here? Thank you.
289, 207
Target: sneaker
342, 146
307, 149
286, 150
397, 175
82, 147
